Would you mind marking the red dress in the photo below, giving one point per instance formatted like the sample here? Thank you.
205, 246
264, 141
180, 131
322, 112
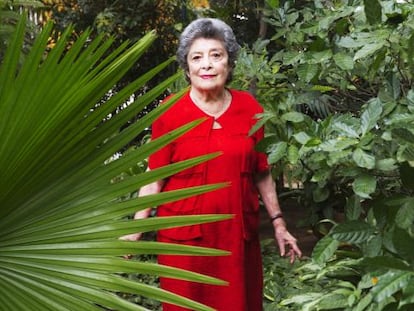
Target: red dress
239, 161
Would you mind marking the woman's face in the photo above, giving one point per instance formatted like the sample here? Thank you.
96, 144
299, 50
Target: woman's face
208, 64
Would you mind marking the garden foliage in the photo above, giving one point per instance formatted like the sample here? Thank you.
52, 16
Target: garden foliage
336, 79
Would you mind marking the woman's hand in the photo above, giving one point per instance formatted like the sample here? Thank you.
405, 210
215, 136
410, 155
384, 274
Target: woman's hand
149, 189
287, 243
131, 237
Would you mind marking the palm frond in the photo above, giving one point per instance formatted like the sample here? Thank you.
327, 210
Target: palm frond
62, 196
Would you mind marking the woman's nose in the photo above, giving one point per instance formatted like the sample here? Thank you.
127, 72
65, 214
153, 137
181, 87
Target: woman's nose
205, 62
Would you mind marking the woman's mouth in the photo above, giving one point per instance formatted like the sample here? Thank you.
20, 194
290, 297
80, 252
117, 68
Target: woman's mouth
207, 76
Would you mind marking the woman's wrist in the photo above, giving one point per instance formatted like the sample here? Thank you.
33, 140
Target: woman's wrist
277, 219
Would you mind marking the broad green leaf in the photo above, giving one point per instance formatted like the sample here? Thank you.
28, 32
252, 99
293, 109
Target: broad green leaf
320, 194
324, 249
266, 144
294, 117
314, 141
407, 175
403, 243
290, 58
321, 56
405, 134
363, 303
408, 295
390, 283
293, 154
353, 208
373, 11
278, 151
306, 72
364, 185
338, 144
363, 159
272, 3
373, 247
302, 137
386, 262
405, 153
321, 176
352, 232
370, 116
344, 61
386, 165
405, 215
346, 130
367, 50
400, 118
349, 42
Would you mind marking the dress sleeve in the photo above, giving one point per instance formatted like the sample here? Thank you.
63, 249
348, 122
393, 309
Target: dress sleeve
261, 163
161, 157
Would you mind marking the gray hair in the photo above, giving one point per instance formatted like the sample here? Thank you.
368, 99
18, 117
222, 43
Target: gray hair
211, 28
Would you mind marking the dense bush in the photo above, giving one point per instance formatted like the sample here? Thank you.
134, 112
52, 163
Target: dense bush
336, 81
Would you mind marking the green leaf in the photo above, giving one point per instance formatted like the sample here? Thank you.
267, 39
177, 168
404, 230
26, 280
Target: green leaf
343, 61
349, 42
363, 159
373, 246
368, 50
320, 194
405, 215
306, 72
407, 175
266, 144
353, 208
338, 144
390, 283
403, 243
370, 116
346, 130
363, 303
272, 3
373, 11
302, 137
408, 295
353, 232
386, 165
277, 152
404, 134
364, 185
293, 154
386, 262
324, 249
295, 117
322, 88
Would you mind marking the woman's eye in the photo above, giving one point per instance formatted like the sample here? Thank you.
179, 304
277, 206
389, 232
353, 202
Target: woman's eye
195, 58
216, 55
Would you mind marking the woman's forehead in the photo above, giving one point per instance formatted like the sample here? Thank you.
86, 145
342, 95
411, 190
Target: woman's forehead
204, 44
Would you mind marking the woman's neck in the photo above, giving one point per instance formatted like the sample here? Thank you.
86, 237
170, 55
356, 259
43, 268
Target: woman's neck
208, 96
212, 103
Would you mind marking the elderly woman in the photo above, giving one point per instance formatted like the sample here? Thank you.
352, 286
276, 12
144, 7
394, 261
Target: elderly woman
207, 52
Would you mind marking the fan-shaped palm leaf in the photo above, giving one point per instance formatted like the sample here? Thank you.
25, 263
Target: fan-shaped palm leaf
61, 212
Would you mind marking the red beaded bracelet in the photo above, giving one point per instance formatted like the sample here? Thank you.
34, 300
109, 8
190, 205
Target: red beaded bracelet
273, 218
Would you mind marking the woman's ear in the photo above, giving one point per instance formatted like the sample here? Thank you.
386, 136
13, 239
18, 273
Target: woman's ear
187, 76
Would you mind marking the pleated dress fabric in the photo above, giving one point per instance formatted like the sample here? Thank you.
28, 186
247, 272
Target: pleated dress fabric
237, 165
